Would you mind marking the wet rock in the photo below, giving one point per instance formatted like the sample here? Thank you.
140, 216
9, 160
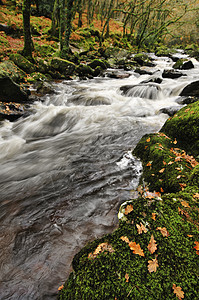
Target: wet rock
84, 70
11, 111
171, 74
11, 92
170, 110
44, 88
183, 64
143, 71
152, 79
143, 60
23, 63
187, 100
117, 74
191, 89
63, 66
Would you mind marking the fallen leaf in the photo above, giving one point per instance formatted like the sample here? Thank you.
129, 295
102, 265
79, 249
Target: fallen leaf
164, 163
141, 228
178, 291
162, 170
125, 239
60, 287
128, 209
153, 264
161, 190
136, 248
185, 204
149, 164
170, 163
127, 277
163, 230
197, 247
189, 235
196, 195
175, 142
148, 140
152, 246
178, 177
153, 216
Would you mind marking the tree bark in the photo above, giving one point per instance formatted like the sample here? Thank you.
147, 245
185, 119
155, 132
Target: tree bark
28, 44
69, 17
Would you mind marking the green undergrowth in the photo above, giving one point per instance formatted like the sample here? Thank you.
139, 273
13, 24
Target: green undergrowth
116, 272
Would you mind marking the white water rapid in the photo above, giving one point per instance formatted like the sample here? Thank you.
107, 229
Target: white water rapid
66, 168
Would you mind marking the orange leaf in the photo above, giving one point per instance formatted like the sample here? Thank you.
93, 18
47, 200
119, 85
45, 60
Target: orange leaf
60, 287
197, 247
152, 246
185, 204
153, 264
161, 190
148, 140
170, 163
178, 291
164, 163
128, 209
141, 228
149, 164
163, 230
175, 142
153, 216
162, 170
125, 239
127, 277
196, 195
136, 248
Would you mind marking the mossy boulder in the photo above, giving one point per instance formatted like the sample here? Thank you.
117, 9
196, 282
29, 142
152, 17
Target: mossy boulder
118, 265
23, 63
143, 60
98, 63
84, 71
183, 64
63, 66
184, 126
9, 69
191, 89
10, 91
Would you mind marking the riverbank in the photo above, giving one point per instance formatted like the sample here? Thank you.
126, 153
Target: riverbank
154, 252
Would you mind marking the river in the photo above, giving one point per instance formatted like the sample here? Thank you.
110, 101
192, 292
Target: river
66, 168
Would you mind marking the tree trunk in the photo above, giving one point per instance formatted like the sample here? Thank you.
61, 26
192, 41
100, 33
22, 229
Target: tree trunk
55, 18
28, 44
69, 17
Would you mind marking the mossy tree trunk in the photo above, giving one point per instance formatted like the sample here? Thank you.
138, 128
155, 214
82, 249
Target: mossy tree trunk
55, 18
68, 29
62, 13
28, 44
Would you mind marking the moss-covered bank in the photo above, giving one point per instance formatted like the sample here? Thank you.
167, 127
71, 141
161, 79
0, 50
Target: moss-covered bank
154, 253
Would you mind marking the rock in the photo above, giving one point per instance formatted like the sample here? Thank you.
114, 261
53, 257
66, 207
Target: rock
171, 110
23, 63
63, 66
143, 60
187, 100
183, 64
10, 91
44, 88
7, 29
144, 71
98, 63
11, 111
191, 89
84, 70
9, 69
171, 74
152, 79
184, 126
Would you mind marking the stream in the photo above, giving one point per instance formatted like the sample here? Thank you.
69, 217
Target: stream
67, 167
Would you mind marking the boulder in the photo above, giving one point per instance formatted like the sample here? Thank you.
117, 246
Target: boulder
184, 126
98, 63
11, 111
144, 71
9, 69
10, 91
117, 74
191, 89
183, 64
143, 60
84, 70
63, 66
173, 74
23, 63
171, 110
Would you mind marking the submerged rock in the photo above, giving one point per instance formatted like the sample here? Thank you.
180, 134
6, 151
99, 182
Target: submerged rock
148, 91
172, 74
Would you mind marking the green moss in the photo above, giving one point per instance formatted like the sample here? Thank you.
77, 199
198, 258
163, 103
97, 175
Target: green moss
8, 68
22, 63
184, 126
63, 66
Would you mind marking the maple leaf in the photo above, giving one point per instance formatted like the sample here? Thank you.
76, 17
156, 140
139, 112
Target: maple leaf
153, 216
178, 291
152, 246
141, 228
153, 264
128, 209
136, 248
197, 247
127, 277
125, 239
60, 287
163, 230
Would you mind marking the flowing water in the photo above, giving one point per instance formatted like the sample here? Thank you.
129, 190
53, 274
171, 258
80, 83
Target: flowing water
66, 168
